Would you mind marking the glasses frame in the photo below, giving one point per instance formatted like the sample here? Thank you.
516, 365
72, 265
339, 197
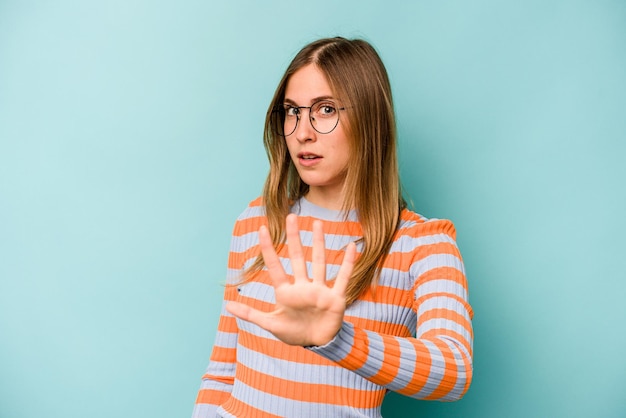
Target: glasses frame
282, 110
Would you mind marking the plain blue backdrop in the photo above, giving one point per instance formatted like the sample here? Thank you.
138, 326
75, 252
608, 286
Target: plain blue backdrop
130, 140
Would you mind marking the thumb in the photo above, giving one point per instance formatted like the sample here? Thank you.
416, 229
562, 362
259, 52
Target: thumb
243, 311
240, 310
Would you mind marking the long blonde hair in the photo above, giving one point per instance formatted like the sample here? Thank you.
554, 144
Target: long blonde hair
357, 75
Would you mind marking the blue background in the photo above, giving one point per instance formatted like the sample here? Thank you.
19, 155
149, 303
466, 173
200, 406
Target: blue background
130, 140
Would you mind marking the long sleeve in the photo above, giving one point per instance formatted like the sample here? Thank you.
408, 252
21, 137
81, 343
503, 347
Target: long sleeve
217, 381
435, 362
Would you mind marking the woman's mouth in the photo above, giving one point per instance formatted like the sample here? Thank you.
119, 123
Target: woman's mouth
308, 160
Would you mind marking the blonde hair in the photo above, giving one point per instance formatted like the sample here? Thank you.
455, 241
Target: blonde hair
358, 77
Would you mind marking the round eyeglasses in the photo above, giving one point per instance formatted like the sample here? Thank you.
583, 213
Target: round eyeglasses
323, 115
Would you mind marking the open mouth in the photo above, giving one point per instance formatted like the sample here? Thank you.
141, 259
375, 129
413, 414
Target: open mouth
308, 156
307, 159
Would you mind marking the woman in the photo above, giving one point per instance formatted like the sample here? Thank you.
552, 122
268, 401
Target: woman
336, 291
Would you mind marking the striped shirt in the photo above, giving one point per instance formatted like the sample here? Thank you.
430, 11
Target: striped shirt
412, 334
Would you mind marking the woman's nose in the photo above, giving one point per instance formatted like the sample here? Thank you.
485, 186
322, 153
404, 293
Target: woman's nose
304, 129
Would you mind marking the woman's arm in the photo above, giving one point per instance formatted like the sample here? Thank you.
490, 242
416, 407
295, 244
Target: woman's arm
435, 364
217, 381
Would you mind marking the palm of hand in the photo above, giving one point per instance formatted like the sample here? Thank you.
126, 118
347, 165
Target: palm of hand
307, 311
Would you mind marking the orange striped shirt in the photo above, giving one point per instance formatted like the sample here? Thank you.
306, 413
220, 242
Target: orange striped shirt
412, 335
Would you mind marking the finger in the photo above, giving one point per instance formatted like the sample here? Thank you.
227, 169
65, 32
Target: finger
345, 271
319, 253
245, 312
240, 310
294, 247
274, 267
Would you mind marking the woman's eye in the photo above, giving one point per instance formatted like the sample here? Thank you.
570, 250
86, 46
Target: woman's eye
326, 109
292, 111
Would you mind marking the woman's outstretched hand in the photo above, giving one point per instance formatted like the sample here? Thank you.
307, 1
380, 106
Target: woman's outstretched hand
308, 311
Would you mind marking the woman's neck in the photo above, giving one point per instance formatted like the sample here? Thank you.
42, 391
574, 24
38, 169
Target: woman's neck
324, 198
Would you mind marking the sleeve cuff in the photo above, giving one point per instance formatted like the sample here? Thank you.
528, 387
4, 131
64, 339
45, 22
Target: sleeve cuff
339, 347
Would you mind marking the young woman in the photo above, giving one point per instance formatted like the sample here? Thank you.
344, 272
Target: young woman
336, 291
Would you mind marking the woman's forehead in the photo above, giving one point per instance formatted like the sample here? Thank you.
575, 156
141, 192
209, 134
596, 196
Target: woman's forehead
307, 85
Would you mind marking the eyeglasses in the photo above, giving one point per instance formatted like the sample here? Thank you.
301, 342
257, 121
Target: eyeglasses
323, 115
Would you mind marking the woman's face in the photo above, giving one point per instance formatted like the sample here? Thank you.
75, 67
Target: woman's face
321, 159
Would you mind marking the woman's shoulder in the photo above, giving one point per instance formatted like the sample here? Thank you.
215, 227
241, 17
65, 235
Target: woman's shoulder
255, 208
252, 217
414, 224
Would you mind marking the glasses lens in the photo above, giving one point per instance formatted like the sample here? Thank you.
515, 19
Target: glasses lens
279, 123
291, 116
324, 116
